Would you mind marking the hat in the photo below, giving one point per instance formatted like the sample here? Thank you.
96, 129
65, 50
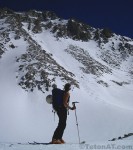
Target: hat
54, 86
67, 86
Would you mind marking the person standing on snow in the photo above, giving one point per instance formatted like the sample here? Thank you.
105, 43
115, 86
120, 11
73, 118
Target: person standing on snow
62, 114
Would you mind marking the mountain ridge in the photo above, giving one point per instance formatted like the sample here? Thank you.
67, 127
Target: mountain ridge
37, 21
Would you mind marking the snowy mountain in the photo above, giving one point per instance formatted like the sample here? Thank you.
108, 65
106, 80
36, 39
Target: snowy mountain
38, 49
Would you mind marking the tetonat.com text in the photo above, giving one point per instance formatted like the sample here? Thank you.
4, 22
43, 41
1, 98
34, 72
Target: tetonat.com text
106, 147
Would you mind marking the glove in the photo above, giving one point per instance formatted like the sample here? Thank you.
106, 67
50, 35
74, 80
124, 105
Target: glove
73, 108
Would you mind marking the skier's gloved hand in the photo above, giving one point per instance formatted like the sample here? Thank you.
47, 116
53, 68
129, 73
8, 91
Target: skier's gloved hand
73, 108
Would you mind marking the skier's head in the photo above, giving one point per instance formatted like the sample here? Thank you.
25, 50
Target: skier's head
67, 87
54, 86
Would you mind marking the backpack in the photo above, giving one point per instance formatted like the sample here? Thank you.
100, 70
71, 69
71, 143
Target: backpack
57, 97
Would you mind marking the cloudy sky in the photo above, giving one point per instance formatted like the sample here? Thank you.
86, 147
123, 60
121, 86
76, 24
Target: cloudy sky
113, 14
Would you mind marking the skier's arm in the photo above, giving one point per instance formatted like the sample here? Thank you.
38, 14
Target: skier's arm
65, 101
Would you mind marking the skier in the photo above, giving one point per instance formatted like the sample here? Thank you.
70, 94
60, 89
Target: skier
62, 114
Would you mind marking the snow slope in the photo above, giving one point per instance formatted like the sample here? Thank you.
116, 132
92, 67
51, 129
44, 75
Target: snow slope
103, 113
91, 145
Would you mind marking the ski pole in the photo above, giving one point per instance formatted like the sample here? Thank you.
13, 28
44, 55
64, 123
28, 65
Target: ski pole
73, 103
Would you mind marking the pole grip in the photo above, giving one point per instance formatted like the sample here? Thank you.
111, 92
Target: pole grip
74, 103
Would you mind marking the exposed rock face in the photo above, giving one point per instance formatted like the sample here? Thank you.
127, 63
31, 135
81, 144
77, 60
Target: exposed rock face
91, 66
121, 138
41, 70
78, 31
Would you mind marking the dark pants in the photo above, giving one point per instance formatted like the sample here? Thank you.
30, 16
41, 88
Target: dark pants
62, 114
